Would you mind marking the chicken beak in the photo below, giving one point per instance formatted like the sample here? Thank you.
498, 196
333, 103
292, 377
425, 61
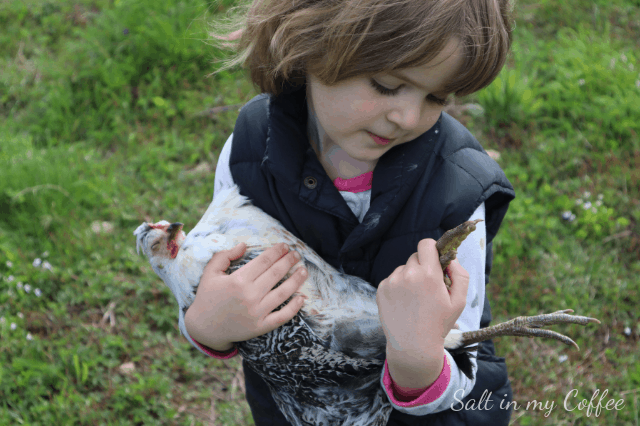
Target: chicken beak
173, 230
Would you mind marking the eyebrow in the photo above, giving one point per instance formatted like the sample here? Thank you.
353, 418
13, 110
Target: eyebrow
407, 79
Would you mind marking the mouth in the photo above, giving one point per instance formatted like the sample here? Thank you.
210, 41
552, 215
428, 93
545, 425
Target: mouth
378, 140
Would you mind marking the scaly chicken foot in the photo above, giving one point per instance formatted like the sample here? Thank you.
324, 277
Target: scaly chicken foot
448, 244
447, 247
529, 327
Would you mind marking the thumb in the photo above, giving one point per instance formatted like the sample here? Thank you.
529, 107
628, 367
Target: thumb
221, 261
459, 281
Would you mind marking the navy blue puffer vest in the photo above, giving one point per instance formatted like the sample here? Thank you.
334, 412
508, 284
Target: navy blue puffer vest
420, 190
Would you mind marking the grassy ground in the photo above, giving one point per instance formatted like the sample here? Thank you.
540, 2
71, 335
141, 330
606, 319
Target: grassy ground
100, 129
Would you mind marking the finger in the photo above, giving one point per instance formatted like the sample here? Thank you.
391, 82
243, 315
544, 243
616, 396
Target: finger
262, 263
459, 282
428, 256
284, 315
272, 276
395, 276
221, 261
413, 260
278, 296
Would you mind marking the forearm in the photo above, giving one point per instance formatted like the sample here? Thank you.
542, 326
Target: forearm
415, 370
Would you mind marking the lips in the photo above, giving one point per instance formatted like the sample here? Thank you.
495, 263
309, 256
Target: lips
378, 140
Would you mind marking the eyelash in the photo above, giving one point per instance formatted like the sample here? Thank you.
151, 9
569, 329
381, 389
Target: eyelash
390, 92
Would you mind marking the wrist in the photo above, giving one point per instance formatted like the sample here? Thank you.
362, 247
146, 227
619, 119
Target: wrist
203, 336
415, 370
221, 347
433, 349
190, 323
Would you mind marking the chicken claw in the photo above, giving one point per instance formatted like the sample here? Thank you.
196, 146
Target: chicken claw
529, 327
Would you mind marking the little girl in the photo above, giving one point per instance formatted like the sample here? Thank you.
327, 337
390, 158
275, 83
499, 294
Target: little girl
349, 148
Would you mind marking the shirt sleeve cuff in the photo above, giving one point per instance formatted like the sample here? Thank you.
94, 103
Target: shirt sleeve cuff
219, 355
406, 397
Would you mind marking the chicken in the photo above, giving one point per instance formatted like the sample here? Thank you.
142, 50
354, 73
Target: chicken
324, 365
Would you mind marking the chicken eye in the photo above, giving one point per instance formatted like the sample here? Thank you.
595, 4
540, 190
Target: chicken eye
153, 247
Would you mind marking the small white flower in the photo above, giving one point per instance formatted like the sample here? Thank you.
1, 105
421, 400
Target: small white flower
578, 202
13, 325
27, 288
562, 358
37, 292
19, 285
9, 264
20, 315
37, 262
10, 278
45, 254
594, 210
598, 203
2, 320
638, 84
587, 205
581, 82
612, 63
29, 336
600, 196
623, 57
47, 265
586, 194
573, 217
627, 331
567, 215
101, 227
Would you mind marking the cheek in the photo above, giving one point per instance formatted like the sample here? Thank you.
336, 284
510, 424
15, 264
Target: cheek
432, 118
364, 107
349, 116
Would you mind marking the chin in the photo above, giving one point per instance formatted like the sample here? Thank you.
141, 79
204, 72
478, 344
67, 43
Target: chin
367, 157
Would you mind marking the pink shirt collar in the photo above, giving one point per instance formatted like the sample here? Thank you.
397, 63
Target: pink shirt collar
359, 183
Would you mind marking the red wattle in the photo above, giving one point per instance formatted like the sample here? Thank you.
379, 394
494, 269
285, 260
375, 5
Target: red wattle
173, 249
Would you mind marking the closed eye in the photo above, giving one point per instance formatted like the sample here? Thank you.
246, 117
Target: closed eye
153, 247
391, 92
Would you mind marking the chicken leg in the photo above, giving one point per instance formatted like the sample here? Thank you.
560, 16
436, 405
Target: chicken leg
447, 247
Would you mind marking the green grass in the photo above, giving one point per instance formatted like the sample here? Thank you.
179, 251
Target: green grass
100, 130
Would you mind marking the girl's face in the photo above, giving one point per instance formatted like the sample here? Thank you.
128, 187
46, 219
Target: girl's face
397, 108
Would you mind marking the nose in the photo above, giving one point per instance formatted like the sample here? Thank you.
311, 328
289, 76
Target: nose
406, 114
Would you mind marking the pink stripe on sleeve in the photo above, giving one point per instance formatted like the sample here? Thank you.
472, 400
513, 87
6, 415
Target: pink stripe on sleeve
404, 397
219, 355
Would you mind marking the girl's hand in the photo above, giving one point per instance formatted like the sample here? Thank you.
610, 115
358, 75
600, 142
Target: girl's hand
239, 306
415, 307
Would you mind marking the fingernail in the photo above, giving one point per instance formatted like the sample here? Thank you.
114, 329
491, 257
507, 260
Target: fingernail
286, 247
296, 255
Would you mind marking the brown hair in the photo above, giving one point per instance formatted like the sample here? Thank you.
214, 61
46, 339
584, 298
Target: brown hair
281, 40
